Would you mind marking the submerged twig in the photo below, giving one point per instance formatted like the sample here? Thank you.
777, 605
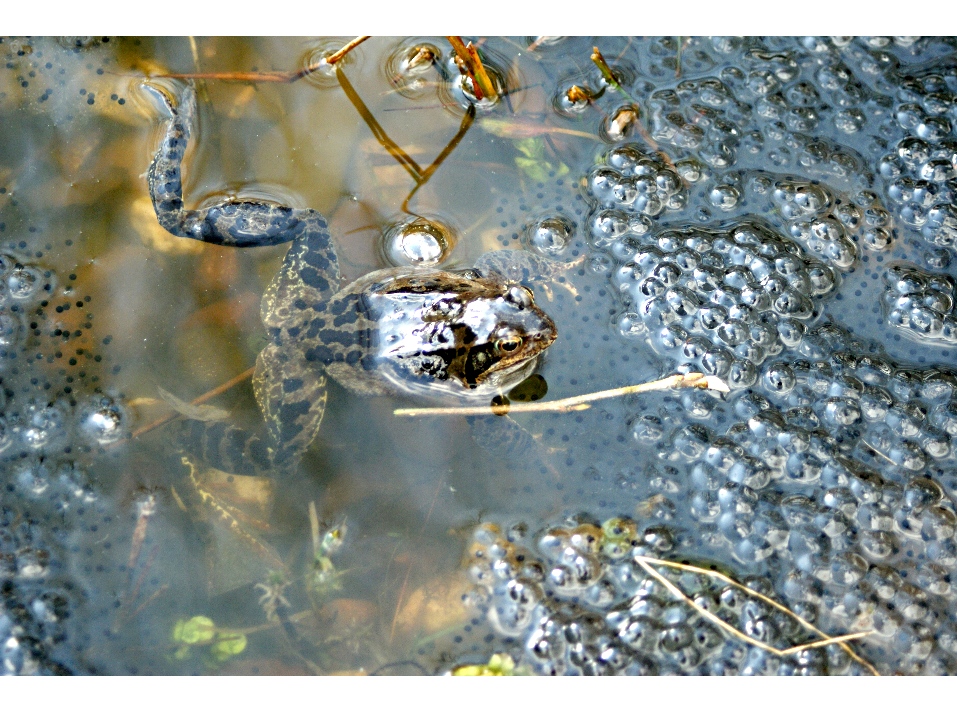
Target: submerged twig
646, 561
565, 405
147, 508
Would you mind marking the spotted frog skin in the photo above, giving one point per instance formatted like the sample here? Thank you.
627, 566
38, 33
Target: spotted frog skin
417, 331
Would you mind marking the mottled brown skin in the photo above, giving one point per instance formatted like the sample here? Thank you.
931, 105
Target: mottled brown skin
416, 331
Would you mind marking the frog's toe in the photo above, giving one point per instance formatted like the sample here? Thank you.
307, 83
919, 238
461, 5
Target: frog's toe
187, 104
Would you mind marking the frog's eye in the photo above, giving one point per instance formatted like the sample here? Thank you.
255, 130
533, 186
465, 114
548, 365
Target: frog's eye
508, 344
521, 297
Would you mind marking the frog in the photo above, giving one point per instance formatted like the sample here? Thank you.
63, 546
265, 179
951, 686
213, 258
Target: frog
423, 332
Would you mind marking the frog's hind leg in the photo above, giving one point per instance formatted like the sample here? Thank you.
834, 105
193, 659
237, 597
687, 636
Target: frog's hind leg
292, 397
309, 276
224, 447
236, 223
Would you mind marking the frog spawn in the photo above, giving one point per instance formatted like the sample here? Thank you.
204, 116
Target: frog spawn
880, 413
45, 425
832, 494
52, 417
632, 181
826, 226
839, 478
575, 601
919, 303
920, 171
44, 606
31, 614
775, 140
718, 302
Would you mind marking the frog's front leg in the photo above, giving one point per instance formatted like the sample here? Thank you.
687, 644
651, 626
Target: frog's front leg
527, 269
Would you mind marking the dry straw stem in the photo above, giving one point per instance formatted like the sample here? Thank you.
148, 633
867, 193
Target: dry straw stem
599, 59
276, 77
565, 405
348, 47
646, 563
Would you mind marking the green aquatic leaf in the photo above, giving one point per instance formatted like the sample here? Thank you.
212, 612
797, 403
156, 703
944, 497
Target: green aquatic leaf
532, 162
499, 665
198, 630
228, 645
201, 631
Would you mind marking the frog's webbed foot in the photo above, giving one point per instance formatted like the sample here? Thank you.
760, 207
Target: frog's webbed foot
165, 177
528, 269
292, 397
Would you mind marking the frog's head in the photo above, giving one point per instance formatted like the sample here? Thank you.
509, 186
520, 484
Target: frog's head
456, 334
499, 339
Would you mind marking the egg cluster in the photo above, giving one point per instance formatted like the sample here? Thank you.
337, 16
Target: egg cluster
52, 416
717, 301
920, 303
826, 484
31, 613
579, 599
38, 418
631, 181
919, 174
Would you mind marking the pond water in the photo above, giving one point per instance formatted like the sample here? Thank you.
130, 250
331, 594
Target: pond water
774, 213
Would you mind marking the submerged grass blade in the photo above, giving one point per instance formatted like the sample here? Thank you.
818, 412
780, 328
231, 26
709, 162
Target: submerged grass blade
403, 158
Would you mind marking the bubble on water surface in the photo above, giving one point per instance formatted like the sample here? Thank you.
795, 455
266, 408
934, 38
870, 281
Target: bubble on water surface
418, 241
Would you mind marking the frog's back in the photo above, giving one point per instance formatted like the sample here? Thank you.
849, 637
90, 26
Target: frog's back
427, 332
371, 336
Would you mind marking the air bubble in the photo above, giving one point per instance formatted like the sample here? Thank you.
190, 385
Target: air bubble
550, 236
102, 420
417, 241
